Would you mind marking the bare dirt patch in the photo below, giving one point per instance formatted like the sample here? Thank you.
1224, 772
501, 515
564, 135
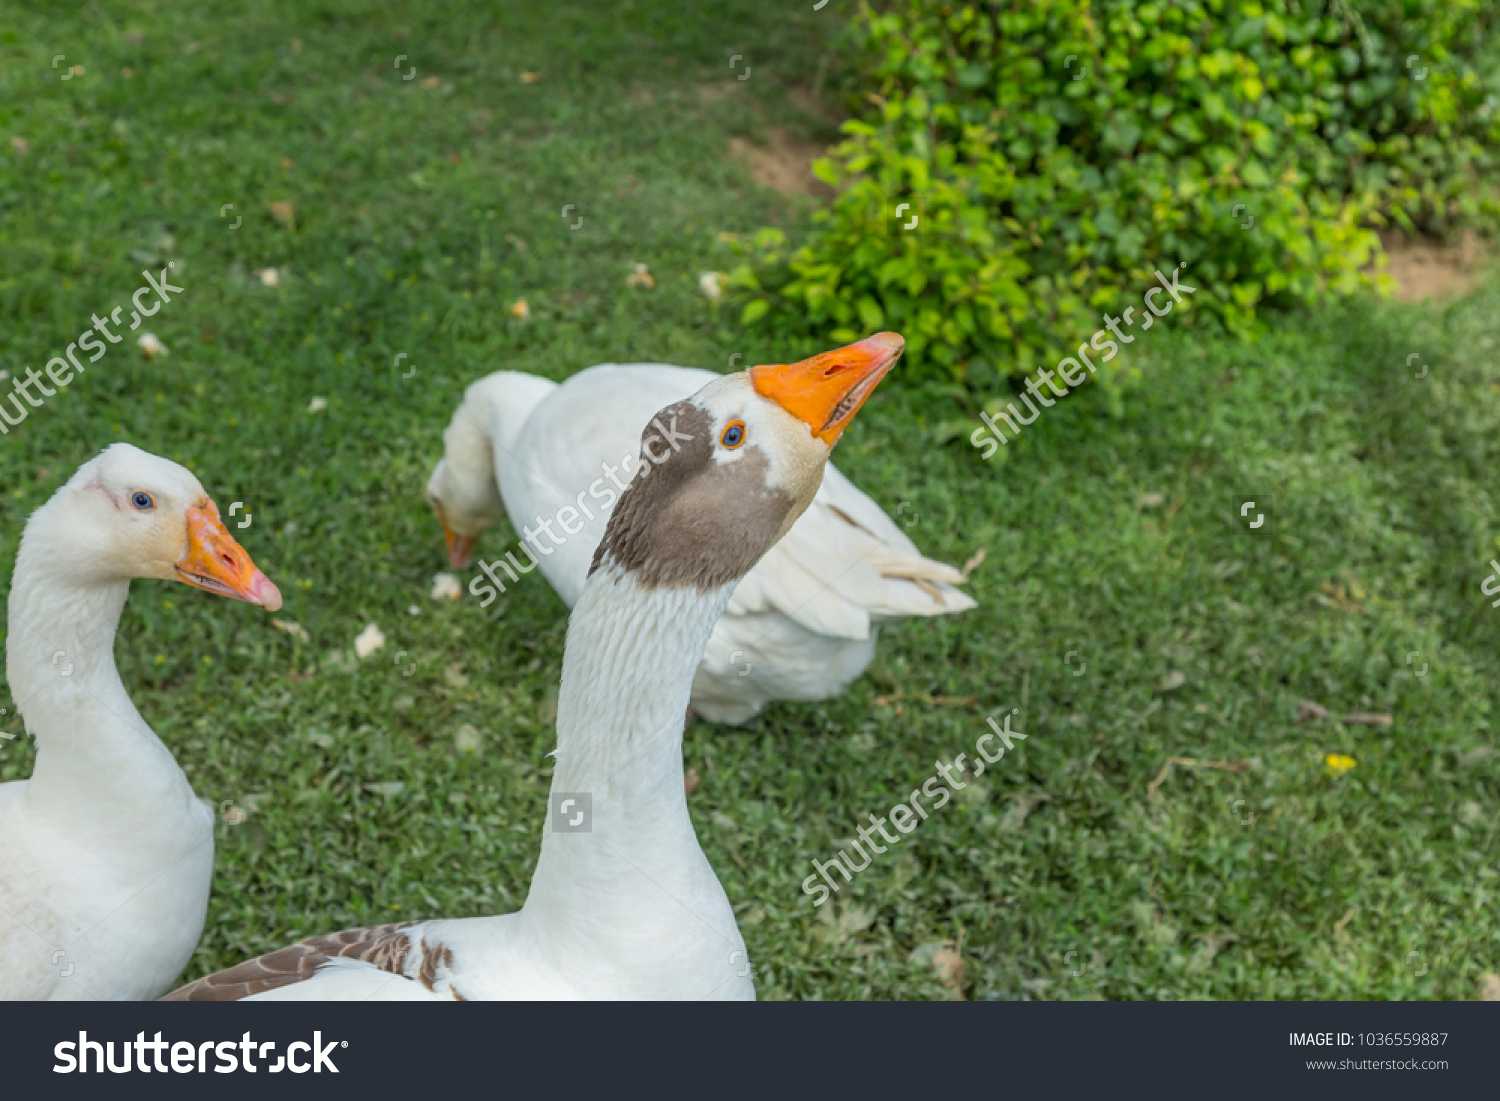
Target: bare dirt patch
813, 104
784, 164
1423, 269
719, 89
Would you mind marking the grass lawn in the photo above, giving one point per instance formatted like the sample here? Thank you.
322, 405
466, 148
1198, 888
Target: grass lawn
1124, 609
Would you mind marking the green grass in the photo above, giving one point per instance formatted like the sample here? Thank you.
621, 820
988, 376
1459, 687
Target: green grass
423, 213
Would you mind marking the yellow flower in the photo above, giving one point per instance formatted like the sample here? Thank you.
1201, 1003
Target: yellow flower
1338, 764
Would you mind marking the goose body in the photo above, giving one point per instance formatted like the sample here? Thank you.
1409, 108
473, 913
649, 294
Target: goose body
105, 853
801, 626
623, 902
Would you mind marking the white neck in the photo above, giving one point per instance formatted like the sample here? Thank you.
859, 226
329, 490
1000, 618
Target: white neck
96, 759
637, 887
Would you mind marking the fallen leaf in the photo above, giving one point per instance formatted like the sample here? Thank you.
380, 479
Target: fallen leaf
283, 212
530, 78
290, 627
429, 82
287, 162
369, 640
946, 960
690, 781
19, 146
1026, 802
640, 277
939, 701
467, 739
1191, 762
151, 346
1308, 711
1337, 596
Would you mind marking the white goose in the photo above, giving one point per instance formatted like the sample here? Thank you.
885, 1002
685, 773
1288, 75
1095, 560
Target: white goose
623, 903
801, 626
105, 854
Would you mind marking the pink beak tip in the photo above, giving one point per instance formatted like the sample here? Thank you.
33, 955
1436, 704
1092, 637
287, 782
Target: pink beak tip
264, 592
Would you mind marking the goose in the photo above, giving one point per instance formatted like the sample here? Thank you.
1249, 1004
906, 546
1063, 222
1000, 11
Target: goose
802, 626
623, 903
105, 853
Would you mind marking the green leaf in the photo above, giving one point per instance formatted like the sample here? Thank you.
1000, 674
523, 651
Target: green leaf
1247, 32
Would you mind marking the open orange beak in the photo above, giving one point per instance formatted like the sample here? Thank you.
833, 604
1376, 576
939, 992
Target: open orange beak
827, 390
215, 563
460, 548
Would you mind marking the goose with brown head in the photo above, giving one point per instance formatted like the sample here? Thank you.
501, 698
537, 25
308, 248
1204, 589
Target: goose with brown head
725, 473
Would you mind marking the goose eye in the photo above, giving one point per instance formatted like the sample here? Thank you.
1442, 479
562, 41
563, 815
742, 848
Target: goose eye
143, 501
734, 435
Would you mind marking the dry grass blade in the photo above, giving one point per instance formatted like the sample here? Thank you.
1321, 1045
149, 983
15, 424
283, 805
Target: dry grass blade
1192, 762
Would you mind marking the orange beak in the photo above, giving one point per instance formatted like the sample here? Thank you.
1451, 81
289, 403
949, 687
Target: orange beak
827, 390
215, 563
460, 548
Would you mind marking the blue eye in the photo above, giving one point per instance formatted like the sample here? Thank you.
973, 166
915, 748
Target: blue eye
734, 435
143, 501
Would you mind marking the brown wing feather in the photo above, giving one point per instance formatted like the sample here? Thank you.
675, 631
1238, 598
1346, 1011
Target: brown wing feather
384, 946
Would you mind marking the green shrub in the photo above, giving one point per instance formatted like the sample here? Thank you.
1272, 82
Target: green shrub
1056, 152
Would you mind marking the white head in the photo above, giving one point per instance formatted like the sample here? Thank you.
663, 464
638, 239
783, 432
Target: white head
463, 492
725, 473
127, 513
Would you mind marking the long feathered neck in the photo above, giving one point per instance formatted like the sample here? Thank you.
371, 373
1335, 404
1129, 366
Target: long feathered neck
629, 876
627, 675
96, 757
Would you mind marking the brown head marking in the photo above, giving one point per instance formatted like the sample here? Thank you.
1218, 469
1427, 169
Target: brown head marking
688, 520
